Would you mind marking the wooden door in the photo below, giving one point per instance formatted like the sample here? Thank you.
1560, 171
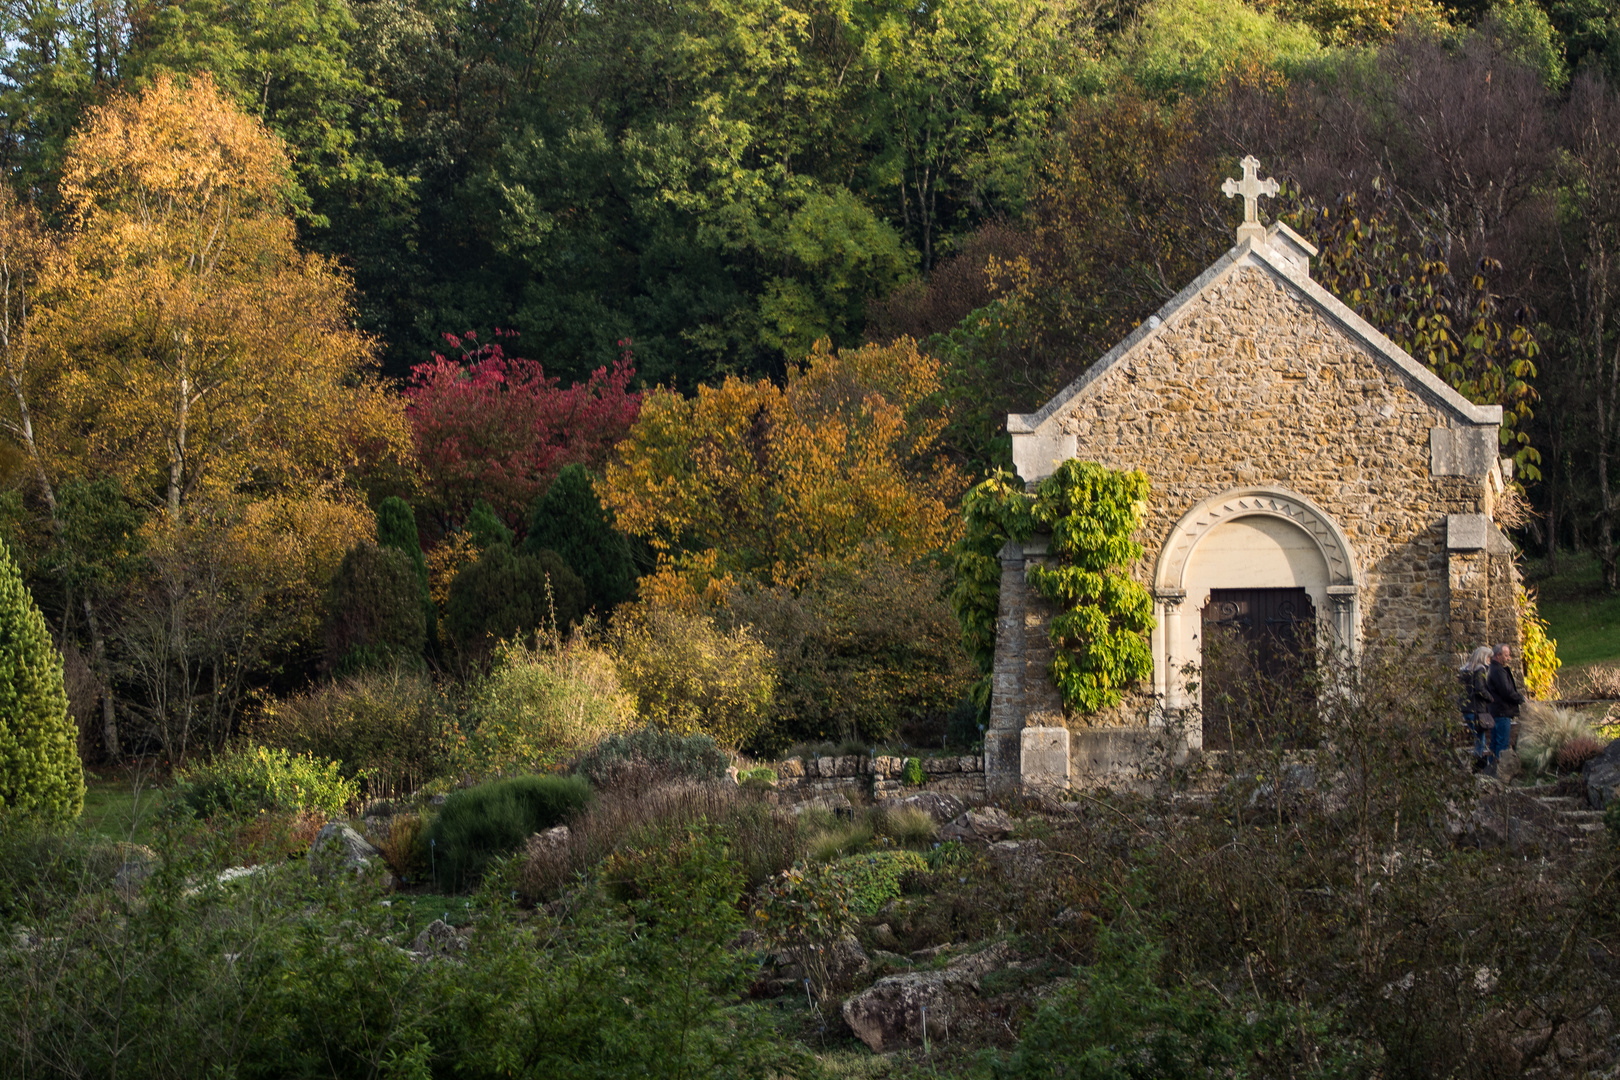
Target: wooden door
1258, 651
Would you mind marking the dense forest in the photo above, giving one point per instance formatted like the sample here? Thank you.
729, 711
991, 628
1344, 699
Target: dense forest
287, 283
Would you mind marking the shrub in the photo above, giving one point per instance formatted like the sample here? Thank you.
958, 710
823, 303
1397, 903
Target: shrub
569, 520
1577, 752
404, 846
506, 595
374, 615
760, 779
40, 772
689, 676
387, 729
866, 649
873, 879
247, 779
542, 704
396, 529
762, 841
478, 824
641, 759
908, 827
912, 772
1546, 729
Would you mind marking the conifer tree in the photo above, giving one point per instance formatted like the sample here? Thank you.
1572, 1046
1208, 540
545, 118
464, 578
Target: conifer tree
569, 520
39, 757
396, 528
374, 618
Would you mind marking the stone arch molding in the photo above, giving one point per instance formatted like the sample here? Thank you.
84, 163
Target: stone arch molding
1169, 577
1173, 644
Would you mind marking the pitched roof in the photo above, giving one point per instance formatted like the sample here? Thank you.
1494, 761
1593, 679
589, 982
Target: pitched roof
1286, 255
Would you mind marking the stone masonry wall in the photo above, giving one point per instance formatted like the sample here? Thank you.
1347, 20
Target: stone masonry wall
878, 778
1251, 385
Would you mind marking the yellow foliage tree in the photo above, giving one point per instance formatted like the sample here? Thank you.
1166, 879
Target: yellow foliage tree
199, 350
753, 479
173, 340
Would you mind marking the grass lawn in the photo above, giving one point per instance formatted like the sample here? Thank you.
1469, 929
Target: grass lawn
121, 804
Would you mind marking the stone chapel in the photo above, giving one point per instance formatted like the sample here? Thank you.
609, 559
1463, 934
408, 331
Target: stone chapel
1302, 467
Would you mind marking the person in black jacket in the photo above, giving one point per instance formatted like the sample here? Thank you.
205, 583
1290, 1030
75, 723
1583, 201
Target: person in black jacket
1475, 702
1505, 702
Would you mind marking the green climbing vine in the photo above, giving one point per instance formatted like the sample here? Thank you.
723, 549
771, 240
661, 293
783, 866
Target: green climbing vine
1103, 615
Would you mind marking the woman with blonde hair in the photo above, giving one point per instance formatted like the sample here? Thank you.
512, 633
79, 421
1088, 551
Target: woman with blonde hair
1475, 701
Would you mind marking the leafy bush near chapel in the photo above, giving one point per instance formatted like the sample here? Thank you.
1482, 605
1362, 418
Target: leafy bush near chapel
40, 774
691, 677
539, 705
509, 595
247, 779
648, 756
478, 824
390, 730
866, 648
374, 614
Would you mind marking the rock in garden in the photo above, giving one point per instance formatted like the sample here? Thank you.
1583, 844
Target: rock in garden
791, 769
439, 939
135, 868
884, 937
892, 1012
987, 823
551, 842
1602, 777
941, 808
339, 849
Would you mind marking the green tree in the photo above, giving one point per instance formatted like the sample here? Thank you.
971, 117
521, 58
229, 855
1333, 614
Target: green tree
39, 758
396, 528
505, 595
486, 527
569, 520
374, 612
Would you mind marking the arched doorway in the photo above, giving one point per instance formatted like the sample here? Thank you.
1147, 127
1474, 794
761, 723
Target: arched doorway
1270, 562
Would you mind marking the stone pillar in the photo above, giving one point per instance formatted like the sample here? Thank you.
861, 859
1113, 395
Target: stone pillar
1001, 746
1022, 694
1171, 601
1468, 579
1343, 599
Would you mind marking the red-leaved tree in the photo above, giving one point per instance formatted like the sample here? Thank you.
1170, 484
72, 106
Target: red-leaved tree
496, 427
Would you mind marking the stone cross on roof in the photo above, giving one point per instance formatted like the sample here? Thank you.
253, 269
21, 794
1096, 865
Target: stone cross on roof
1251, 187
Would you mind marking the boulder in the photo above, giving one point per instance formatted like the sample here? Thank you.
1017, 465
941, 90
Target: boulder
338, 849
892, 1012
553, 841
439, 939
988, 823
942, 808
134, 868
1601, 776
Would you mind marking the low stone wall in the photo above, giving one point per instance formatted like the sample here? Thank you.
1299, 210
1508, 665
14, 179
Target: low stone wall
878, 778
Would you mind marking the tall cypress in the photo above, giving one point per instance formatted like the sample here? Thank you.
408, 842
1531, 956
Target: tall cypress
39, 756
569, 520
396, 528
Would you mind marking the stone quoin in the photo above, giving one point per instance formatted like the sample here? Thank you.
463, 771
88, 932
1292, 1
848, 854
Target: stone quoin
1297, 457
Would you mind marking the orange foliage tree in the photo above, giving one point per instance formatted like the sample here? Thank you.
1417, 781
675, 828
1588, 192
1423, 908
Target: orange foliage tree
173, 341
768, 482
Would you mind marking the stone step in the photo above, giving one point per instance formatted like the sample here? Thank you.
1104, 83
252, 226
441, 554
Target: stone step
1590, 826
1582, 815
1559, 802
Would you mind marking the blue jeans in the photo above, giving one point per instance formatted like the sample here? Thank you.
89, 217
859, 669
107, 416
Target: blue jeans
1481, 744
1501, 735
